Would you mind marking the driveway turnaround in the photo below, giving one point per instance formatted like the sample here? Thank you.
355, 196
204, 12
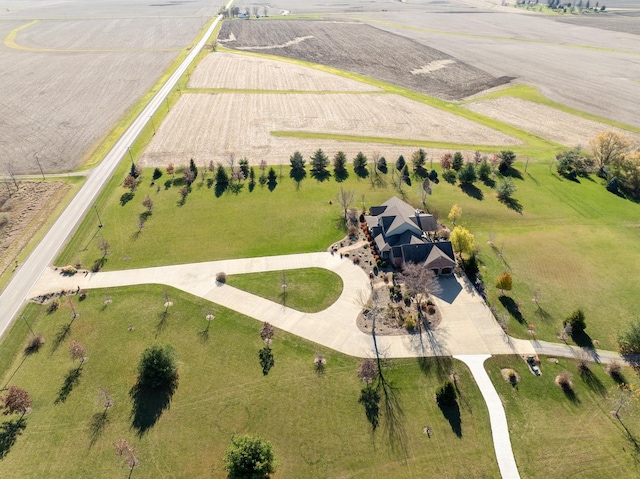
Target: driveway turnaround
469, 327
468, 332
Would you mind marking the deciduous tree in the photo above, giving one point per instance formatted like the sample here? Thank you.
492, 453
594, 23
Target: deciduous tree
608, 147
16, 401
250, 457
340, 162
368, 370
158, 367
462, 240
446, 161
345, 198
504, 282
455, 214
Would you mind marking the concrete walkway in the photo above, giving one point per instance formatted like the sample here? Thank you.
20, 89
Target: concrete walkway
497, 416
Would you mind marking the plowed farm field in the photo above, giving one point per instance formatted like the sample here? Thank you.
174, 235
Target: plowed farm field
207, 126
362, 49
544, 121
228, 70
66, 82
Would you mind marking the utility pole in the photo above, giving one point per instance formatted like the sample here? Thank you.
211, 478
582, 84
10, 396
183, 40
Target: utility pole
100, 225
39, 166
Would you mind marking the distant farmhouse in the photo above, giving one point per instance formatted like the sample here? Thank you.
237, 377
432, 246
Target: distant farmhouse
403, 234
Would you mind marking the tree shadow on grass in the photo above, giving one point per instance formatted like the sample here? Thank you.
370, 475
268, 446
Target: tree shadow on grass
340, 175
71, 380
321, 176
149, 404
9, 432
60, 336
490, 182
362, 172
96, 427
162, 321
593, 382
570, 394
297, 175
220, 189
472, 190
272, 185
633, 442
370, 399
203, 335
512, 204
438, 365
512, 307
451, 412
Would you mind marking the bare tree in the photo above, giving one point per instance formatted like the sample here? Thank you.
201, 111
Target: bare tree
418, 279
148, 203
11, 171
78, 352
104, 246
345, 198
368, 370
127, 452
266, 332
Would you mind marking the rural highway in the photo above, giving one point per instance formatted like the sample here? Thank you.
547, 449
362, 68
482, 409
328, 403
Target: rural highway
13, 297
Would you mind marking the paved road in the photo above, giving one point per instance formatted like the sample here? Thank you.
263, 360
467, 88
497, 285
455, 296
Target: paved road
12, 298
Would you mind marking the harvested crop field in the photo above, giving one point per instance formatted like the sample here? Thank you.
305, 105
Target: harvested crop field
66, 81
362, 49
206, 126
543, 121
243, 72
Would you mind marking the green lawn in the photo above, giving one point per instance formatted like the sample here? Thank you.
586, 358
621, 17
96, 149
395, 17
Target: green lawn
251, 224
309, 290
313, 419
554, 436
573, 243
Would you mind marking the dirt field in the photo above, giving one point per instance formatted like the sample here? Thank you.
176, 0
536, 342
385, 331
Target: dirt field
543, 121
226, 70
579, 66
361, 49
69, 77
24, 212
206, 126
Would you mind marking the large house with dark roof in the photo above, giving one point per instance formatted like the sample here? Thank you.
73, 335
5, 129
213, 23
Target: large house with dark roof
402, 234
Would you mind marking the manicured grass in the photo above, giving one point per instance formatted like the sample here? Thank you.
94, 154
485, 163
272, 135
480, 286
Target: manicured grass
309, 290
574, 243
251, 224
313, 419
555, 436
